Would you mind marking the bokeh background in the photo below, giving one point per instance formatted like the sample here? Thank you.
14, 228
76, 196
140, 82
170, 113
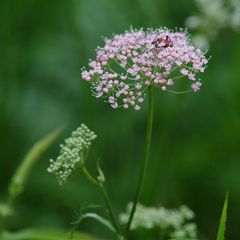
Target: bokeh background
195, 155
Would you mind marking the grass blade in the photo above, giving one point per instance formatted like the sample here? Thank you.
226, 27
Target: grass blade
223, 220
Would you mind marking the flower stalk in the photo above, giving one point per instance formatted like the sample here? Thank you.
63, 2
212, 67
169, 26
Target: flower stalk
145, 160
105, 196
72, 157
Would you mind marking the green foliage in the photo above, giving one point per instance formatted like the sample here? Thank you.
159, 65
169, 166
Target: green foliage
45, 234
100, 177
96, 217
5, 210
223, 220
182, 239
195, 150
18, 181
20, 177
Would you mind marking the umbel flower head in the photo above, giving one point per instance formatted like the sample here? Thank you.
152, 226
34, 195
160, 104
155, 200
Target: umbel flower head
176, 223
72, 153
128, 63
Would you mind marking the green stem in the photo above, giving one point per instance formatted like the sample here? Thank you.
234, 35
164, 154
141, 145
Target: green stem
109, 207
146, 157
89, 177
105, 195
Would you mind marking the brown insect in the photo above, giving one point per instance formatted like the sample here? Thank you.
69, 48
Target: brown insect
160, 42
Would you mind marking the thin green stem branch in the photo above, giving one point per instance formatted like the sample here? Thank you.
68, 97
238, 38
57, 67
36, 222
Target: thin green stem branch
109, 207
145, 160
89, 177
105, 195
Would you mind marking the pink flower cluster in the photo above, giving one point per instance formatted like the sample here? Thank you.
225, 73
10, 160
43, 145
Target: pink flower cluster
130, 62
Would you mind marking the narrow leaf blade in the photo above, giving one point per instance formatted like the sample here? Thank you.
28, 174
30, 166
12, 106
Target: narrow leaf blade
223, 220
96, 217
17, 183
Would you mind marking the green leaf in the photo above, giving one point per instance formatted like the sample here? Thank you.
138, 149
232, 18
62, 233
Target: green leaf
46, 234
5, 210
101, 177
222, 225
17, 183
96, 217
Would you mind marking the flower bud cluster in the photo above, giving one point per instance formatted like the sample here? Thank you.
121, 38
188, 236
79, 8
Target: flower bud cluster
72, 153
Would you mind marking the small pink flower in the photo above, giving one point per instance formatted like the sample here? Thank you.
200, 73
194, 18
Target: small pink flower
128, 63
170, 82
196, 86
86, 75
137, 107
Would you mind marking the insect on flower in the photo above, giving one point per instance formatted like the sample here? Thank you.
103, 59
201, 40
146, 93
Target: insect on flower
129, 62
160, 42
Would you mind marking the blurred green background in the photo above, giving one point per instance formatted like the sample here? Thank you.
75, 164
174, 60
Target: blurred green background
195, 155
